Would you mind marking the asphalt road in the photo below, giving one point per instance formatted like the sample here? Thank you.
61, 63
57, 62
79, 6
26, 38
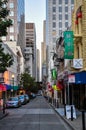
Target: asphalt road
36, 115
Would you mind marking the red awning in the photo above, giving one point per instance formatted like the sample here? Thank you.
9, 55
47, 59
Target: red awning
2, 87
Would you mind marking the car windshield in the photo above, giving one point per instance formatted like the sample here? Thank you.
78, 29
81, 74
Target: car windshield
13, 99
22, 96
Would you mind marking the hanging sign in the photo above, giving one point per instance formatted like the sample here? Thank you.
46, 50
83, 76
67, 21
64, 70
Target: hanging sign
71, 78
69, 45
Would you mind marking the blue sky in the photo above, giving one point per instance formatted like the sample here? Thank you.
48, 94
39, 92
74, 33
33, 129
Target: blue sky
35, 11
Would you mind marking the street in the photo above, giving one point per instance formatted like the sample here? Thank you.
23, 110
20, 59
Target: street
36, 115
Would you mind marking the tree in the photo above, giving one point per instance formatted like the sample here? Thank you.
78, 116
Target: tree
6, 60
5, 22
28, 82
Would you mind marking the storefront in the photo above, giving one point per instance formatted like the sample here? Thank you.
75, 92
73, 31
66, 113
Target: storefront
76, 91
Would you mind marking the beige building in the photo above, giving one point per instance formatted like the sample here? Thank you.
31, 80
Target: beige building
30, 36
43, 51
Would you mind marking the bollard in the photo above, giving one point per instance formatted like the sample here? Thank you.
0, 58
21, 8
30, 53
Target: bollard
65, 109
83, 120
71, 113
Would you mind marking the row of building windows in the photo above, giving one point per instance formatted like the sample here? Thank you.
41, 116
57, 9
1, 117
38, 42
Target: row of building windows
11, 38
60, 24
60, 9
66, 1
60, 17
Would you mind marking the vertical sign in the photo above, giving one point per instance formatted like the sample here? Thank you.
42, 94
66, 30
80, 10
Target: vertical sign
54, 74
69, 45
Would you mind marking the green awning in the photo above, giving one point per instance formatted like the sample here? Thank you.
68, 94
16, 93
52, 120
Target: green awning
15, 87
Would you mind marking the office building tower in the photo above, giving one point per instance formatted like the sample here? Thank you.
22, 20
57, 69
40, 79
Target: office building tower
58, 19
30, 49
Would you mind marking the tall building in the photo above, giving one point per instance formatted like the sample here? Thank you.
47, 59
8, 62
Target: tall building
16, 32
43, 51
30, 56
58, 19
38, 65
16, 35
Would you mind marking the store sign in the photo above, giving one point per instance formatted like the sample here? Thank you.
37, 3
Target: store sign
69, 45
71, 78
78, 63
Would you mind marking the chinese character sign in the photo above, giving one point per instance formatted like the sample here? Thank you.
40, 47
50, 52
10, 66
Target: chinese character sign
69, 45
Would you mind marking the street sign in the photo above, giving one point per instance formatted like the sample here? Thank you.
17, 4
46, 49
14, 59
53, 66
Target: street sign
78, 63
68, 111
71, 78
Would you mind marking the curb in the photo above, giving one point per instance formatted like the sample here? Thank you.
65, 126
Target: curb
72, 128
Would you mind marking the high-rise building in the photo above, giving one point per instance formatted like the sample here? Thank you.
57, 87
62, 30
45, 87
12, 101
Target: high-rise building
43, 51
16, 32
58, 19
38, 65
15, 38
31, 44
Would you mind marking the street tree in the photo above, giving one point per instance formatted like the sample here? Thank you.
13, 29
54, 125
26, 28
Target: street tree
5, 22
28, 82
6, 60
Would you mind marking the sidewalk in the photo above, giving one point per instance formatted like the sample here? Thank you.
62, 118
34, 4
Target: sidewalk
3, 115
76, 124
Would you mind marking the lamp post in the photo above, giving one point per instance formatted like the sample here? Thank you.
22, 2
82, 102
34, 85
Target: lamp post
13, 83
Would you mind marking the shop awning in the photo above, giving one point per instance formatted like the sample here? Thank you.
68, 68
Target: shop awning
2, 87
80, 78
15, 87
8, 86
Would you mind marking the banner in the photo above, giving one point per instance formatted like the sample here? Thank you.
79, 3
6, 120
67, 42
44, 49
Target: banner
68, 45
54, 74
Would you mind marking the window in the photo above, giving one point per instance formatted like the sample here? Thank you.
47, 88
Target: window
54, 2
66, 24
60, 32
11, 5
12, 21
11, 38
11, 29
72, 1
3, 38
11, 13
66, 9
60, 24
66, 1
60, 1
54, 24
60, 16
66, 16
54, 9
60, 9
54, 40
54, 17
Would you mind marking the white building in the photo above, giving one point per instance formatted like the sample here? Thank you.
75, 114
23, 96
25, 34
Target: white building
58, 19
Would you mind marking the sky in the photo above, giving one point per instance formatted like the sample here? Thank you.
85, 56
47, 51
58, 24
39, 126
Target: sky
35, 11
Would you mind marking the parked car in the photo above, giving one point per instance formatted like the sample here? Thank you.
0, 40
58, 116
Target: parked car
27, 97
23, 99
32, 95
13, 102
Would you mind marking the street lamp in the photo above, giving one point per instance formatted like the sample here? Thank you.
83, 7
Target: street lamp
13, 83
